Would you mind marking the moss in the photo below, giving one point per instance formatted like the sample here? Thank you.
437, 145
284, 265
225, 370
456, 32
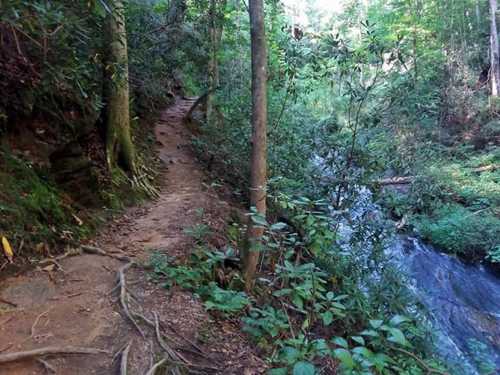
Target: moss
32, 209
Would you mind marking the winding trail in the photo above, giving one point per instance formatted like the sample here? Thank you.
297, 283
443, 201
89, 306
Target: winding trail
75, 306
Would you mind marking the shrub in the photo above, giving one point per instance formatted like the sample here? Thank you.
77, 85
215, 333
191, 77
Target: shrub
456, 229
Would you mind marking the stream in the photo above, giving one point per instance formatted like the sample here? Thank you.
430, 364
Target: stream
461, 301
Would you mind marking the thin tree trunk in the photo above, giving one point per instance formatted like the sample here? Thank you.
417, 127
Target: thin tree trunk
119, 146
213, 69
215, 34
494, 52
258, 179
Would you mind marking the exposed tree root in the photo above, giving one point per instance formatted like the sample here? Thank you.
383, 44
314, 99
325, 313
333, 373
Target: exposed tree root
172, 357
36, 322
156, 366
47, 351
124, 359
46, 366
122, 282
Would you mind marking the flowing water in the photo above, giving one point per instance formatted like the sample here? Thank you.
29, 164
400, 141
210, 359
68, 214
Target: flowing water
461, 301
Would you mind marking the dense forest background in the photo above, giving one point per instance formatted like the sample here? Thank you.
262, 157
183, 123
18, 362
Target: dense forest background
395, 100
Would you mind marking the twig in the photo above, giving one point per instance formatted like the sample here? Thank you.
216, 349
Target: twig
74, 295
124, 359
156, 366
50, 350
36, 322
2, 300
201, 352
421, 362
10, 345
6, 320
46, 366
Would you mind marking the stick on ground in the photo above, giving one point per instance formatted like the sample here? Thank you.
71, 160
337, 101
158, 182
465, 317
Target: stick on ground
47, 351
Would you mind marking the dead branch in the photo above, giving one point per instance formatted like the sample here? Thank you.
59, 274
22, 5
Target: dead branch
405, 180
156, 366
124, 359
7, 302
486, 168
47, 351
97, 251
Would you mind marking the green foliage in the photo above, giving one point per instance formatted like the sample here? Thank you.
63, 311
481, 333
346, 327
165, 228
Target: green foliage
32, 210
458, 230
266, 323
198, 232
226, 301
198, 275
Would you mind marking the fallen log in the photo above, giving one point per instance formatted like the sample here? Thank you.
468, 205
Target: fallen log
400, 180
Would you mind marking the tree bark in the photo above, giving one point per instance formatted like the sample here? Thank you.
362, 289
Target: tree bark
119, 146
258, 178
494, 51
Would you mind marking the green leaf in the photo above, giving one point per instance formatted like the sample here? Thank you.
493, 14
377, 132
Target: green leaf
259, 219
340, 341
345, 357
278, 371
304, 368
359, 340
278, 226
327, 318
365, 352
376, 323
397, 336
290, 355
397, 320
369, 332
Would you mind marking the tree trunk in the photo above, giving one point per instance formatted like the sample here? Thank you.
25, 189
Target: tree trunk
494, 52
258, 179
215, 34
119, 146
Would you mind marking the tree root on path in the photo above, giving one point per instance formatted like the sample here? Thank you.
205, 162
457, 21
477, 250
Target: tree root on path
47, 351
124, 359
122, 282
172, 357
46, 366
97, 251
156, 366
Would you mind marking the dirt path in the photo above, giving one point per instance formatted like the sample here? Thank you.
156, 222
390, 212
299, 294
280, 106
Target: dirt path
75, 306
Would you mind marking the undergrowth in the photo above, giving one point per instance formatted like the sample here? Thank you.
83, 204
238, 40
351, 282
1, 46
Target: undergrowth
305, 314
32, 210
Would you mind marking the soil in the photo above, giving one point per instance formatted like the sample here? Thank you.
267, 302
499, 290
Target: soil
75, 305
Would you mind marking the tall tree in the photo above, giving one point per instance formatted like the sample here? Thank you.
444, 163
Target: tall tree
215, 33
494, 52
119, 146
258, 178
